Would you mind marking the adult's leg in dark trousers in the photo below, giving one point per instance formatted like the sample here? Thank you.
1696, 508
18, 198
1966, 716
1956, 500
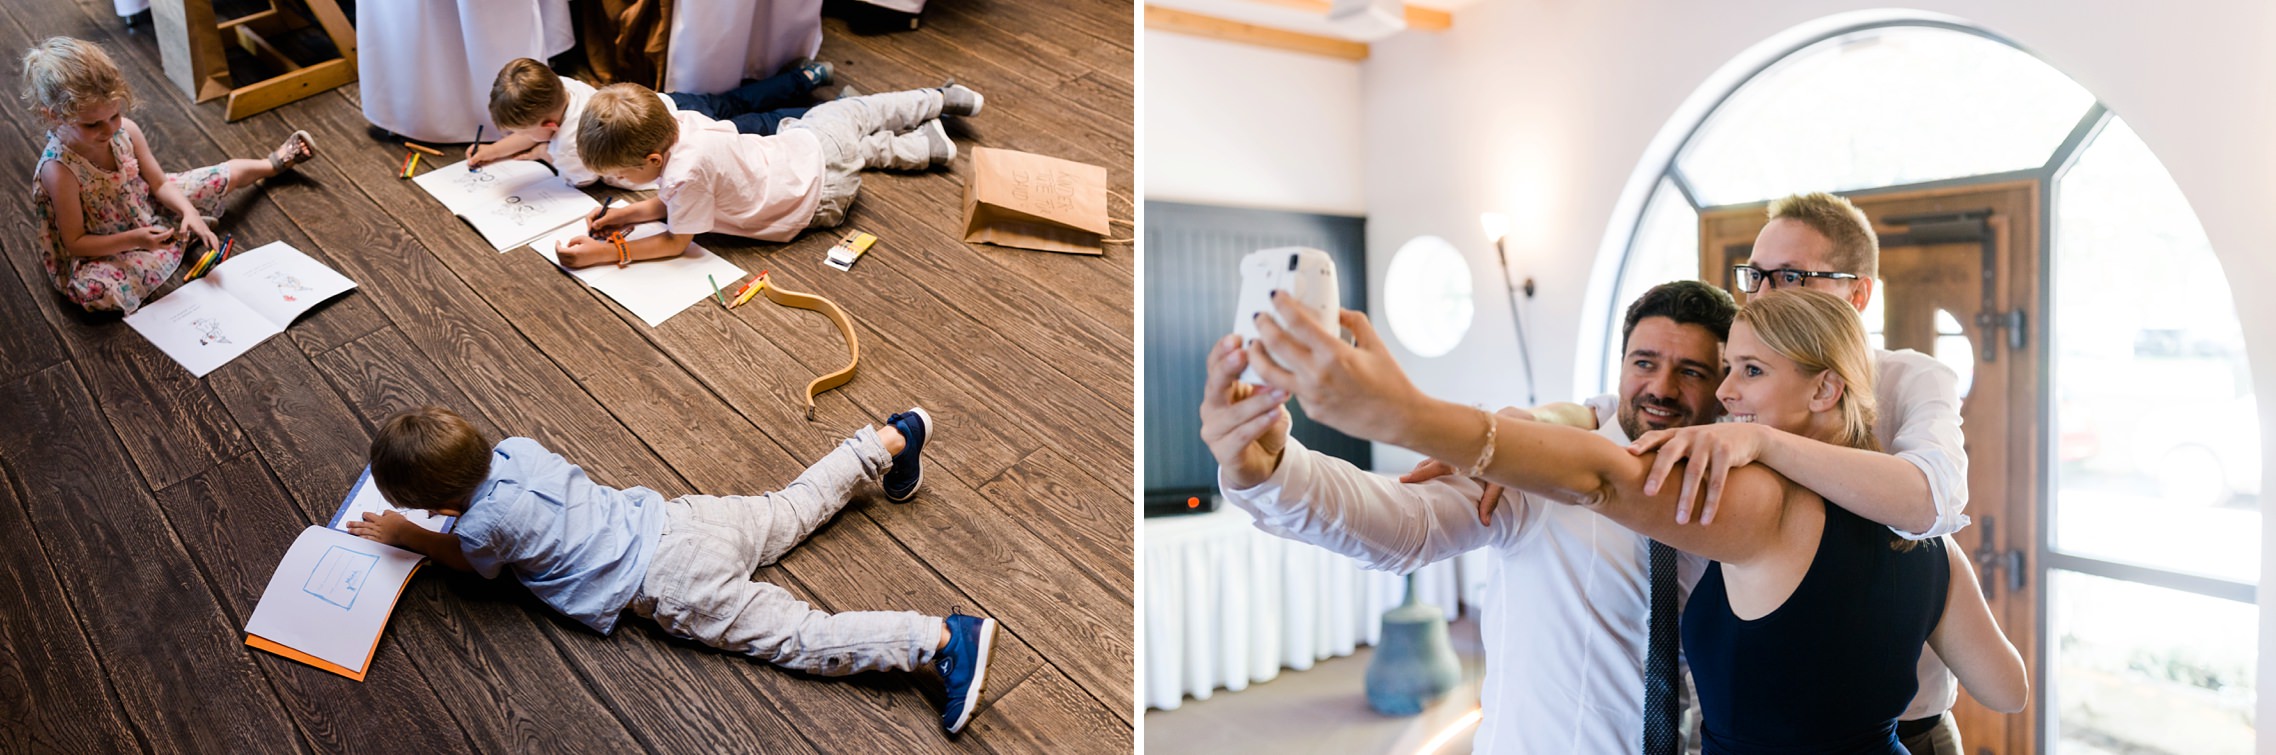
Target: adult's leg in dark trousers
765, 124
783, 90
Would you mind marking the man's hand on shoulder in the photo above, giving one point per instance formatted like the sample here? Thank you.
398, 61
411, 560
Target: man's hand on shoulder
1713, 451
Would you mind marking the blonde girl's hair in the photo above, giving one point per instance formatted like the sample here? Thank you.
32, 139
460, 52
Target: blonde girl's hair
1818, 331
63, 76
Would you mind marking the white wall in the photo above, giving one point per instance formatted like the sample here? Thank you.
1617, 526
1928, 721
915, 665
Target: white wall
1559, 112
1244, 126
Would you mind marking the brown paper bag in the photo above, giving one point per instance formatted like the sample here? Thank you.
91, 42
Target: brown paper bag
1035, 202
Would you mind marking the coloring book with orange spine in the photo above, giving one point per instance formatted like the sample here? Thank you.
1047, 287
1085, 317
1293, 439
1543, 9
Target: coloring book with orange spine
330, 598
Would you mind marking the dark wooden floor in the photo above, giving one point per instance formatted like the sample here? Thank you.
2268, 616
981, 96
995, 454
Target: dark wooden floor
142, 510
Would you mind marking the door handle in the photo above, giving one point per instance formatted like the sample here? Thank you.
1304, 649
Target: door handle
1990, 560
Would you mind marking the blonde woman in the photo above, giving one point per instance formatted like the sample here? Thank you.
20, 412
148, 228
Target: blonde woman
1804, 634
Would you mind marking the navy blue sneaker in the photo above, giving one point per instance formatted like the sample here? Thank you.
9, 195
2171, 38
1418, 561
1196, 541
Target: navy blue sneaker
963, 667
908, 466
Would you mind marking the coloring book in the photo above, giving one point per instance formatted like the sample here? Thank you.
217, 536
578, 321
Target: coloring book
330, 599
244, 301
508, 202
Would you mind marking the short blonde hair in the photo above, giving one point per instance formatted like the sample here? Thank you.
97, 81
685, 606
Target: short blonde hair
63, 76
622, 125
1855, 248
524, 93
1818, 331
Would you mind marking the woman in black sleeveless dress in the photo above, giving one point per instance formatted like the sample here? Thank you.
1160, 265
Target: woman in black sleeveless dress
1804, 635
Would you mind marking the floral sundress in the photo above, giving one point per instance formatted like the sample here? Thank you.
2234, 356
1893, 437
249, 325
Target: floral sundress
114, 202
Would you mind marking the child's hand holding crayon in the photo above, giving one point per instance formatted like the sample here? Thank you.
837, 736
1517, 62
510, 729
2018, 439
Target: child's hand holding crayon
608, 221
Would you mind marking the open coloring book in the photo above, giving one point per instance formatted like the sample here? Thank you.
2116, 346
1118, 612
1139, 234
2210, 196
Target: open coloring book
331, 597
209, 321
508, 202
653, 290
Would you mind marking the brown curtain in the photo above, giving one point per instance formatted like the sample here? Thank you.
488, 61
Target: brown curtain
625, 40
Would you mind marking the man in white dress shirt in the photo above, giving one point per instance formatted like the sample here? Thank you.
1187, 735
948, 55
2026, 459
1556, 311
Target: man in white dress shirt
1565, 623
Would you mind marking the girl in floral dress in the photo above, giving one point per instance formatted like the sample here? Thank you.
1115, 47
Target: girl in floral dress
114, 225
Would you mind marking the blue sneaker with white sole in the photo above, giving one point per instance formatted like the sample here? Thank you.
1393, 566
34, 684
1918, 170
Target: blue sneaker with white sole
963, 667
908, 466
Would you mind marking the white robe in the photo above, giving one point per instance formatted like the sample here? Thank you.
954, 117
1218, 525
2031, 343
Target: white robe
716, 44
425, 66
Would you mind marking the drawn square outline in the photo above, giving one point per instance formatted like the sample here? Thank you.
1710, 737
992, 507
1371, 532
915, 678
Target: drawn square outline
328, 571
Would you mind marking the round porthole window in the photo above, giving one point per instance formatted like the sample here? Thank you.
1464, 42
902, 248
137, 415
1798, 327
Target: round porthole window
1426, 296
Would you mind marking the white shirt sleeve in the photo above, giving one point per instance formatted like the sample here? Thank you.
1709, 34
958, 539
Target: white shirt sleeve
689, 207
1919, 422
1385, 524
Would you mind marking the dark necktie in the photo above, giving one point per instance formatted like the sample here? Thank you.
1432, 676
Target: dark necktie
1660, 682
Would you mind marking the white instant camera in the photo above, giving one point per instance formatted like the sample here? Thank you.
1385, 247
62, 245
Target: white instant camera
1307, 274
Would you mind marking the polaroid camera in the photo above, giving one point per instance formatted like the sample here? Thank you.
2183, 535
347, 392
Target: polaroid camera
1308, 275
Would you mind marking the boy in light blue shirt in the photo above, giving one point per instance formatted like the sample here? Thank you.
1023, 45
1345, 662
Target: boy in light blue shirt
592, 552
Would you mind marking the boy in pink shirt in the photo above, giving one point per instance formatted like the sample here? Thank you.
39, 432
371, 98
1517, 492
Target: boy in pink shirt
713, 180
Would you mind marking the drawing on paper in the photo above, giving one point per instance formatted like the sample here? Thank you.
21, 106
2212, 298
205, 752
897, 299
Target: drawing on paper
514, 210
287, 285
339, 576
209, 331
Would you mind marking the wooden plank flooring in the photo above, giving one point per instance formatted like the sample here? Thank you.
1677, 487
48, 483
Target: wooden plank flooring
149, 507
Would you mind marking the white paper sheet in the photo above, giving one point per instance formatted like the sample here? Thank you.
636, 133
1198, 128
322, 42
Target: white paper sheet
201, 327
255, 295
508, 202
656, 289
277, 281
366, 498
331, 596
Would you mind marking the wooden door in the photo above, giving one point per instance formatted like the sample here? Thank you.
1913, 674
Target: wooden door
1965, 259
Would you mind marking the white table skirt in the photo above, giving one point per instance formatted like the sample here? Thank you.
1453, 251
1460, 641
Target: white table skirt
716, 44
1227, 604
425, 66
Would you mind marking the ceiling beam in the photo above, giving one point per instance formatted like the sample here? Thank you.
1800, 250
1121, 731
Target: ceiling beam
1228, 30
1418, 18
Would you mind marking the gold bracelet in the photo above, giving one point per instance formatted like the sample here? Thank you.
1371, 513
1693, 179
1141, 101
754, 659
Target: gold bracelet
1486, 456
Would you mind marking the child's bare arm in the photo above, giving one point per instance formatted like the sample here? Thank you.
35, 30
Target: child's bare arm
71, 226
586, 251
392, 529
167, 194
513, 146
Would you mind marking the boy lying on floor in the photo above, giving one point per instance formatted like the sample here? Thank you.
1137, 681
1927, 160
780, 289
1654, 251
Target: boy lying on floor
592, 552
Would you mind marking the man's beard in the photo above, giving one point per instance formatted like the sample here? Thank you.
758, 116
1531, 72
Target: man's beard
1631, 416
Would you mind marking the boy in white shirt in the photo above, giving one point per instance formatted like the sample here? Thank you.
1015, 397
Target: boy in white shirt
539, 111
770, 188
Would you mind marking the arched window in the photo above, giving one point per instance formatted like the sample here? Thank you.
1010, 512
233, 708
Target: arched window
2128, 572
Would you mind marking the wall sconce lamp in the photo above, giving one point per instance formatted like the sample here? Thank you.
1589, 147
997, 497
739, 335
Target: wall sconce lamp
1496, 226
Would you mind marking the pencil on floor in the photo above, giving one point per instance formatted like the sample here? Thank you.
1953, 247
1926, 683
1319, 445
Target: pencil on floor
424, 148
715, 289
404, 170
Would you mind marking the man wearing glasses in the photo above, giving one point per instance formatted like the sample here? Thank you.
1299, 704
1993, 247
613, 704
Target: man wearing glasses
1917, 488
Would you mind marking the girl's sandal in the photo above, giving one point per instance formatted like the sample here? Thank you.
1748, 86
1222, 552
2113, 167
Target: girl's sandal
296, 149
